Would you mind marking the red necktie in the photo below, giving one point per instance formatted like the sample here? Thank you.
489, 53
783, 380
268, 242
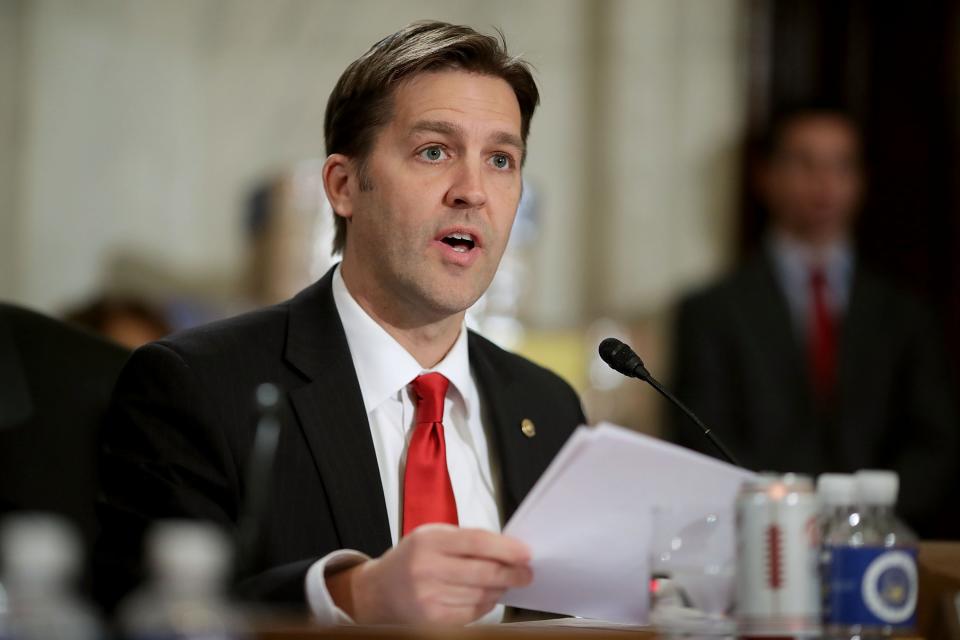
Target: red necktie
823, 338
427, 492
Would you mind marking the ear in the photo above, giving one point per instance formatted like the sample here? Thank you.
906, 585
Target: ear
340, 183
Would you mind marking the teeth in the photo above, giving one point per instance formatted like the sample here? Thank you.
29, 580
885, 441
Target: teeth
460, 249
461, 236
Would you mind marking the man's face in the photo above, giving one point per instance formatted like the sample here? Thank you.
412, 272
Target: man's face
813, 183
445, 177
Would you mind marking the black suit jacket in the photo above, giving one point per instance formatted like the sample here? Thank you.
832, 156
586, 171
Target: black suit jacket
55, 384
740, 366
182, 423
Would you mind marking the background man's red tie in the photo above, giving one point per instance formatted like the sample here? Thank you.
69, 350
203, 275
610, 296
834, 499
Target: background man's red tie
427, 492
823, 339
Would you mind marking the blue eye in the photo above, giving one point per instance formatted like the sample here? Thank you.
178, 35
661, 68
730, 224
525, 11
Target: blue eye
501, 161
433, 154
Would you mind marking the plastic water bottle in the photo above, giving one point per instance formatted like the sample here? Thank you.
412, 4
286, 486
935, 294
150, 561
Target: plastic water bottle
185, 598
839, 527
41, 557
873, 579
5, 632
837, 493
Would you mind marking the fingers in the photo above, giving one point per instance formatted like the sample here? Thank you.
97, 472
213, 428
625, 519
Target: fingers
442, 574
477, 543
461, 615
484, 574
462, 596
463, 608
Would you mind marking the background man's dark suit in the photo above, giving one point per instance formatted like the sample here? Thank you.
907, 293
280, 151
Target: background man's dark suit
740, 366
183, 418
55, 384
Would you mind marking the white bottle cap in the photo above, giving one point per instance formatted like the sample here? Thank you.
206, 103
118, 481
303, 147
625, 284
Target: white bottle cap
188, 554
877, 487
39, 548
836, 489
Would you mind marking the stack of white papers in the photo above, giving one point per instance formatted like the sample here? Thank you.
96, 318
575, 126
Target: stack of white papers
587, 520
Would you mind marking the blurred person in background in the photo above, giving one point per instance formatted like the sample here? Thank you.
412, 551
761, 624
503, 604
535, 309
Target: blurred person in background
803, 359
126, 320
55, 384
289, 227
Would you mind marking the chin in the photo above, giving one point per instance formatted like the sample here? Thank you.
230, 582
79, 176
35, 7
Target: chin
449, 298
459, 289
449, 305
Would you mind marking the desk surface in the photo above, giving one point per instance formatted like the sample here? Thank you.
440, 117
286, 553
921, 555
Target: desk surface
525, 631
939, 575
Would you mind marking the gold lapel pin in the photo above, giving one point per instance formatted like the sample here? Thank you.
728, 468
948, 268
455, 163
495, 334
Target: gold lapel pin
529, 429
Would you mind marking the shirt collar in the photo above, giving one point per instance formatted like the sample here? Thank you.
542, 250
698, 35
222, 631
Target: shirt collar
383, 366
793, 259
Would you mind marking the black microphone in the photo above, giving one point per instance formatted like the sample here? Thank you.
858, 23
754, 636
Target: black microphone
258, 476
623, 359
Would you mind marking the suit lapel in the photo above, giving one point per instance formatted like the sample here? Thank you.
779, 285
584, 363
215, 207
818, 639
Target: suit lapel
774, 333
507, 403
860, 339
16, 405
855, 331
331, 414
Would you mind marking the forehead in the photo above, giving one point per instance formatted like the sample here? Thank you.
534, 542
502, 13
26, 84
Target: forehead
469, 99
826, 132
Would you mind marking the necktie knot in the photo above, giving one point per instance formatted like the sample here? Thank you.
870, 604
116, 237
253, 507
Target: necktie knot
430, 390
818, 279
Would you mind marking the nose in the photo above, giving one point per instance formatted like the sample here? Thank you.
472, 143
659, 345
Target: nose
467, 190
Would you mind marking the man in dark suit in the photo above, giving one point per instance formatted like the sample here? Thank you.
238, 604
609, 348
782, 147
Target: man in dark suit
398, 418
804, 360
55, 384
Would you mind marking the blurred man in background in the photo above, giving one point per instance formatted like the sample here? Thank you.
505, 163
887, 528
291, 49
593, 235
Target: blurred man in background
55, 384
127, 320
803, 359
289, 227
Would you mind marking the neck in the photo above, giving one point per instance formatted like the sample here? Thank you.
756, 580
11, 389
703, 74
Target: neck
815, 242
427, 338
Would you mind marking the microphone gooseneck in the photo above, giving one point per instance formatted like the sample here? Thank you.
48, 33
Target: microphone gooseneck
625, 360
258, 476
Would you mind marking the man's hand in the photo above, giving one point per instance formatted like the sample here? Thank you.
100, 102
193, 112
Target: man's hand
439, 574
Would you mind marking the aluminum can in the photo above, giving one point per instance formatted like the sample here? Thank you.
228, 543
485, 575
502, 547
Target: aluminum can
778, 586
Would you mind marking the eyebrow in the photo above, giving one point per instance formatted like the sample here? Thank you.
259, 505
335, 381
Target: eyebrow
450, 129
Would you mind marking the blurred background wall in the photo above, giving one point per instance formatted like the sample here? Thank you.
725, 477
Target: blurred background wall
138, 128
132, 134
11, 27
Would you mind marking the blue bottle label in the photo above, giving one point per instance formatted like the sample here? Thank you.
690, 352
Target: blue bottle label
870, 586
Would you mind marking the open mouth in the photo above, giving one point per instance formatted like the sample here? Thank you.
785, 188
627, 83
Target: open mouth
460, 242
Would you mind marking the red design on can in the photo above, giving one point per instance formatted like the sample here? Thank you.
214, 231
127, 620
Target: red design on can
774, 557
813, 532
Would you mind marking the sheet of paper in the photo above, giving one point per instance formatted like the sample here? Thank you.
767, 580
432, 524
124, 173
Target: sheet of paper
587, 520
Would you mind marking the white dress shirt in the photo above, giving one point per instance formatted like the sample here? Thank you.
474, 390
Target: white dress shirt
793, 261
385, 370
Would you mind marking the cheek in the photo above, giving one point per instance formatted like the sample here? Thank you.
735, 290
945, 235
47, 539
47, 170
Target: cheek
851, 189
505, 203
413, 197
798, 189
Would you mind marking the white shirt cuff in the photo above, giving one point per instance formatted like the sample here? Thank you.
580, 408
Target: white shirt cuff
325, 611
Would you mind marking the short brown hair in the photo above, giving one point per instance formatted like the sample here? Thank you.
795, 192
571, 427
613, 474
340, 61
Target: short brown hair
788, 116
361, 101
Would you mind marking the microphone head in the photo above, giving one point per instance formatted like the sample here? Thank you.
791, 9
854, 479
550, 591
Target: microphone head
268, 397
622, 358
